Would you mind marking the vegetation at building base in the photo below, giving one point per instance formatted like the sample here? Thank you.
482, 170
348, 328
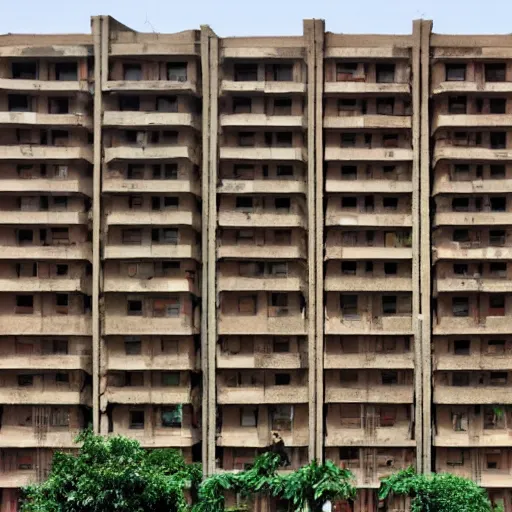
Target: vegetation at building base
117, 474
438, 492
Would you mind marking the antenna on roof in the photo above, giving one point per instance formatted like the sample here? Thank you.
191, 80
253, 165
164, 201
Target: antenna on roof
147, 22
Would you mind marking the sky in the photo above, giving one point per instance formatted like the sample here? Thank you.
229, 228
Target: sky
259, 17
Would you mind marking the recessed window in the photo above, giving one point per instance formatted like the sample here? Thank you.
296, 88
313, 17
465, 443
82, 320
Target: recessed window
177, 71
389, 377
171, 379
282, 106
457, 104
25, 381
348, 304
497, 237
348, 172
498, 269
498, 204
385, 73
385, 106
25, 70
62, 378
282, 379
348, 140
281, 345
495, 72
244, 203
461, 347
246, 72
460, 235
455, 72
496, 304
349, 202
390, 268
132, 346
460, 204
498, 378
171, 416
167, 104
132, 72
496, 347
389, 305
349, 268
498, 140
60, 347
497, 172
246, 139
129, 103
460, 379
137, 420
497, 105
242, 105
460, 306
346, 71
279, 72
134, 308
18, 103
390, 203
66, 71
460, 269
284, 171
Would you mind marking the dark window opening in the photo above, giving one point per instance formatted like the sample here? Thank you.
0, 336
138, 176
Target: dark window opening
246, 72
24, 70
460, 379
498, 204
129, 103
389, 305
455, 72
495, 72
460, 269
66, 71
498, 140
177, 71
242, 105
390, 268
282, 379
385, 73
461, 347
460, 306
349, 268
137, 420
457, 104
497, 105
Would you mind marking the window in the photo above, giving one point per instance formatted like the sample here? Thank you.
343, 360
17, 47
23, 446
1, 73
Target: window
385, 73
247, 305
137, 420
390, 268
349, 268
497, 171
61, 303
134, 308
282, 379
59, 417
250, 269
177, 71
390, 203
282, 236
349, 202
387, 416
348, 140
498, 204
284, 171
169, 236
495, 72
281, 417
242, 105
24, 304
167, 104
349, 306
348, 172
461, 347
282, 204
460, 379
461, 172
131, 236
390, 140
460, 306
350, 416
496, 305
455, 72
497, 105
25, 462
278, 269
248, 416
129, 103
494, 418
171, 416
493, 460
170, 379
24, 70
244, 236
497, 237
498, 140
25, 380
346, 71
460, 235
25, 236
498, 269
279, 300
282, 107
62, 378
389, 377
349, 377
246, 139
498, 378
132, 346
279, 72
171, 202
283, 139
18, 103
496, 347
134, 379
347, 105
60, 347
459, 421
281, 345
244, 203
246, 72
454, 457
457, 104
389, 305
460, 204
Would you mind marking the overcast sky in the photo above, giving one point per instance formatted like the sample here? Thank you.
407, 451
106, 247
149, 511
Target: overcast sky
259, 17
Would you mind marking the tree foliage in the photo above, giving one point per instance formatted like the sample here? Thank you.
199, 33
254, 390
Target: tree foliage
439, 492
114, 474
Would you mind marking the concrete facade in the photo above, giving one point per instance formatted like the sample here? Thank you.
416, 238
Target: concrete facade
208, 241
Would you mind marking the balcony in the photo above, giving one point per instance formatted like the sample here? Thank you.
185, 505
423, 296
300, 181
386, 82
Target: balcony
337, 217
472, 218
472, 437
259, 360
460, 251
466, 121
41, 186
295, 186
44, 396
333, 153
260, 283
186, 86
368, 360
292, 325
392, 325
475, 361
258, 252
445, 186
179, 217
128, 284
261, 219
159, 152
473, 284
81, 251
375, 393
24, 152
121, 185
263, 153
148, 395
470, 153
472, 87
368, 122
397, 436
366, 88
470, 395
56, 362
19, 437
37, 325
179, 361
244, 437
157, 251
468, 325
336, 252
15, 84
38, 284
342, 283
36, 119
261, 120
270, 87
56, 218
165, 119
184, 437
293, 394
17, 479
367, 186
116, 324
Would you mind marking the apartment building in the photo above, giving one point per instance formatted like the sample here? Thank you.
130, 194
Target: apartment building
214, 244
